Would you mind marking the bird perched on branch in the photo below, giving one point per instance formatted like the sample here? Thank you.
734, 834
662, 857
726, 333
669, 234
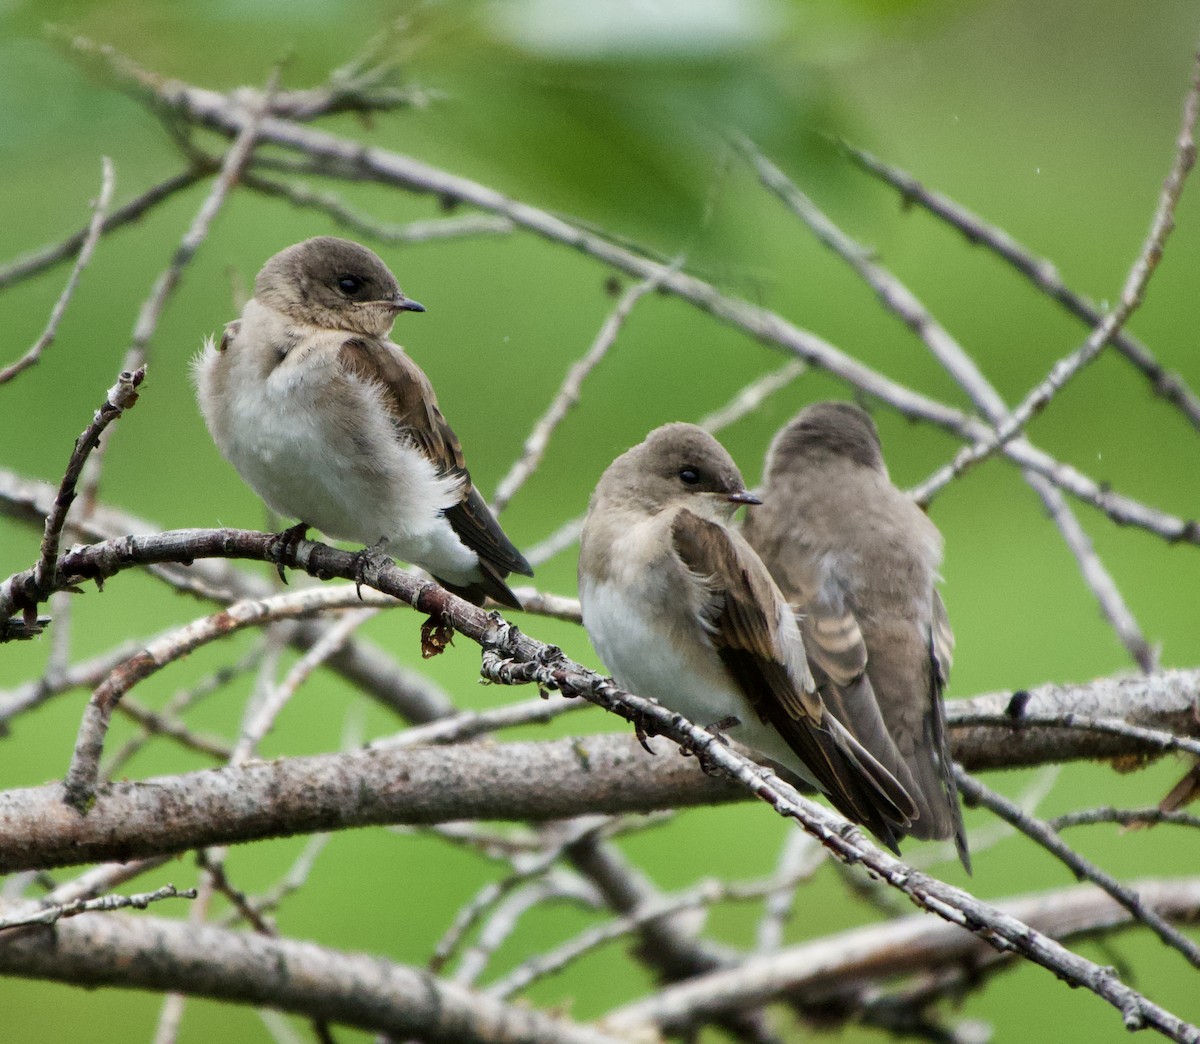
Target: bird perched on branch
681, 609
858, 561
332, 423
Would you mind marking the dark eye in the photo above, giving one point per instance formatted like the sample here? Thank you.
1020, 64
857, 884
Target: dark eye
349, 284
689, 475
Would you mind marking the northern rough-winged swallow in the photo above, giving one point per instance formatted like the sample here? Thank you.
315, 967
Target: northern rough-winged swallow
331, 423
858, 561
681, 609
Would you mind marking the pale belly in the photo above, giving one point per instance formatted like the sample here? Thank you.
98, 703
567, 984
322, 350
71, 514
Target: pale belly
352, 482
686, 676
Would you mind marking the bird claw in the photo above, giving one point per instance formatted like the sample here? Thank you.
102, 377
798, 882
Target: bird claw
367, 558
644, 732
283, 546
716, 730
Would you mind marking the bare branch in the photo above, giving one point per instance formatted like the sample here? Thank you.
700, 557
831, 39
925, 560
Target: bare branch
1084, 869
1039, 271
568, 395
47, 257
1127, 817
406, 692
300, 977
36, 585
235, 160
896, 948
366, 225
1131, 298
55, 912
88, 247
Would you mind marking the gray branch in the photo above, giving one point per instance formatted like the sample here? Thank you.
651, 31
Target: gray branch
355, 989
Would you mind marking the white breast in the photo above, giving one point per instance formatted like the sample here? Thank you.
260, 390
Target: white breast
336, 465
655, 650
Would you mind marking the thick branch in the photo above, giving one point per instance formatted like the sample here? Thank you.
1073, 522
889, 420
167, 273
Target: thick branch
512, 658
536, 781
517, 781
897, 948
355, 989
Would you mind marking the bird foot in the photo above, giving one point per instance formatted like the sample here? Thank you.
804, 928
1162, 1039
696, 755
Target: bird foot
372, 557
644, 732
717, 731
283, 546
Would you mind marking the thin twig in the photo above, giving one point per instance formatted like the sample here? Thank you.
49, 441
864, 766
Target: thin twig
554, 886
364, 224
471, 724
744, 402
898, 299
799, 858
90, 239
176, 705
1040, 832
753, 395
1131, 298
152, 308
525, 869
1127, 817
263, 718
36, 585
47, 257
568, 394
54, 913
1039, 271
1153, 739
706, 893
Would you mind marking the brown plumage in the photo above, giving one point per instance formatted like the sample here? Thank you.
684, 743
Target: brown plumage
332, 423
681, 609
858, 562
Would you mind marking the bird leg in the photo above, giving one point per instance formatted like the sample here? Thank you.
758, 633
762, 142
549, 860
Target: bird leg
644, 730
283, 546
717, 731
367, 558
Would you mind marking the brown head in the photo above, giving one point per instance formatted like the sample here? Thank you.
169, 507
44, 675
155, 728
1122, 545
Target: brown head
333, 283
677, 464
827, 429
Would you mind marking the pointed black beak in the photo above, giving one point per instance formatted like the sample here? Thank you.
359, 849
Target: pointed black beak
743, 496
406, 304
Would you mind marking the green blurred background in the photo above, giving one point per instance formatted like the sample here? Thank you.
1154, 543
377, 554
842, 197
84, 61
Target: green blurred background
1056, 122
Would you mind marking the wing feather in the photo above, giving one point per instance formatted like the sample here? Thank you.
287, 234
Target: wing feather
745, 612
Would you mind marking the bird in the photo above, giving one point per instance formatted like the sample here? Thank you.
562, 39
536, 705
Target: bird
330, 422
680, 609
858, 561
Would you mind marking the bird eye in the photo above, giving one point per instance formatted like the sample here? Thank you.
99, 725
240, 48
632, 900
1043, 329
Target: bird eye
689, 475
349, 284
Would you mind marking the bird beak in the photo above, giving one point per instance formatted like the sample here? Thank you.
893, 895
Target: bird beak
406, 304
743, 496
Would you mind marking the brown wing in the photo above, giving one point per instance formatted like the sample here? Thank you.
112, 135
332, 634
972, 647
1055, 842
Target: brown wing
941, 649
412, 403
743, 612
837, 656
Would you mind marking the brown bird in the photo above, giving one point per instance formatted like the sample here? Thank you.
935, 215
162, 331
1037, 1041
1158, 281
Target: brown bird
331, 422
681, 609
858, 561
